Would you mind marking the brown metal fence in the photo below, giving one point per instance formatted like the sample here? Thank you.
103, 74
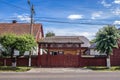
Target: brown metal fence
59, 60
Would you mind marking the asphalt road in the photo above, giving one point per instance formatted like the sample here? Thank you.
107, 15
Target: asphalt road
61, 76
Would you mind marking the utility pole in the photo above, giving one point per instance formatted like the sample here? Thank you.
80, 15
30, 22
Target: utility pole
32, 12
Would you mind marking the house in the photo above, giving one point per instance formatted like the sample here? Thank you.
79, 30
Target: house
64, 44
22, 28
61, 51
91, 52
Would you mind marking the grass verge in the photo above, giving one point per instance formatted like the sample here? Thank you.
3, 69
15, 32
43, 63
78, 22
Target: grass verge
103, 68
15, 69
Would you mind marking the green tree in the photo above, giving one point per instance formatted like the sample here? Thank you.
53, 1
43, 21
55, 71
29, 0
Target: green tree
50, 33
4, 53
8, 42
24, 43
92, 41
106, 40
11, 42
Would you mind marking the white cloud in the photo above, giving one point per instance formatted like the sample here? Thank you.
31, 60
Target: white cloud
105, 4
23, 17
117, 1
89, 35
116, 11
71, 32
75, 16
96, 15
116, 22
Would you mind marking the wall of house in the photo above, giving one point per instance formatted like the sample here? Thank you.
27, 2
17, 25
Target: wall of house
67, 51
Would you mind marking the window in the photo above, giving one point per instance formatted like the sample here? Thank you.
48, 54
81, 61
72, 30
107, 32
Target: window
56, 52
53, 53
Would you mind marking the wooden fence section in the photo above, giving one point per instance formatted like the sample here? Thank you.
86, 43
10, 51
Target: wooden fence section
70, 61
93, 62
115, 58
64, 60
59, 61
20, 61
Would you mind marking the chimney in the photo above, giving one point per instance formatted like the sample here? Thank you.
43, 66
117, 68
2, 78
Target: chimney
14, 21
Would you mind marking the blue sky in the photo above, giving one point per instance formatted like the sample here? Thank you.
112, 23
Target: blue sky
64, 17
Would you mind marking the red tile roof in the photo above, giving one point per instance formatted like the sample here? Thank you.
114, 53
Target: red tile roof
21, 28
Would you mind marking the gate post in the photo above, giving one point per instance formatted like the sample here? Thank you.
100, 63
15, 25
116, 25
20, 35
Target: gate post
79, 55
38, 60
48, 56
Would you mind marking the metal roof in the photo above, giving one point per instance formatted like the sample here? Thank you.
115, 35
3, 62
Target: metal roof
66, 39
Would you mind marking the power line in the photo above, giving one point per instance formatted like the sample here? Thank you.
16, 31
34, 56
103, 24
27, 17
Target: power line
63, 22
13, 5
53, 18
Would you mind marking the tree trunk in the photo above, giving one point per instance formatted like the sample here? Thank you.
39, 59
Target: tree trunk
108, 61
13, 62
29, 64
13, 59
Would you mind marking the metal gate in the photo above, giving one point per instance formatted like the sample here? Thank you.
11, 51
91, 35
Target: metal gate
59, 60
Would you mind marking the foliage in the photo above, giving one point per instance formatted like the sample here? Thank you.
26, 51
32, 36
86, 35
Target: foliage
106, 39
11, 42
92, 41
8, 43
16, 69
49, 34
25, 43
4, 52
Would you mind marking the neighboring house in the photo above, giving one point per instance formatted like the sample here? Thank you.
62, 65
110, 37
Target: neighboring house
22, 28
64, 44
91, 52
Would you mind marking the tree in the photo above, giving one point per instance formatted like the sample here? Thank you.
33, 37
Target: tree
4, 53
49, 34
106, 40
11, 42
92, 41
8, 43
24, 43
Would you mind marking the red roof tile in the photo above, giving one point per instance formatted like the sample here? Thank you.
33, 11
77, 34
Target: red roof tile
20, 28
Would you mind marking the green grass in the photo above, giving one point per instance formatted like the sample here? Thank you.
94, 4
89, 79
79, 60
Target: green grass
15, 69
103, 68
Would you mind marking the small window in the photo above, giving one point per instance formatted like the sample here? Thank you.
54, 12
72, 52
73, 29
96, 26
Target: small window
53, 53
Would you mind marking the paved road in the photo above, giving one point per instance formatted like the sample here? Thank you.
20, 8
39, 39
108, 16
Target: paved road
61, 76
